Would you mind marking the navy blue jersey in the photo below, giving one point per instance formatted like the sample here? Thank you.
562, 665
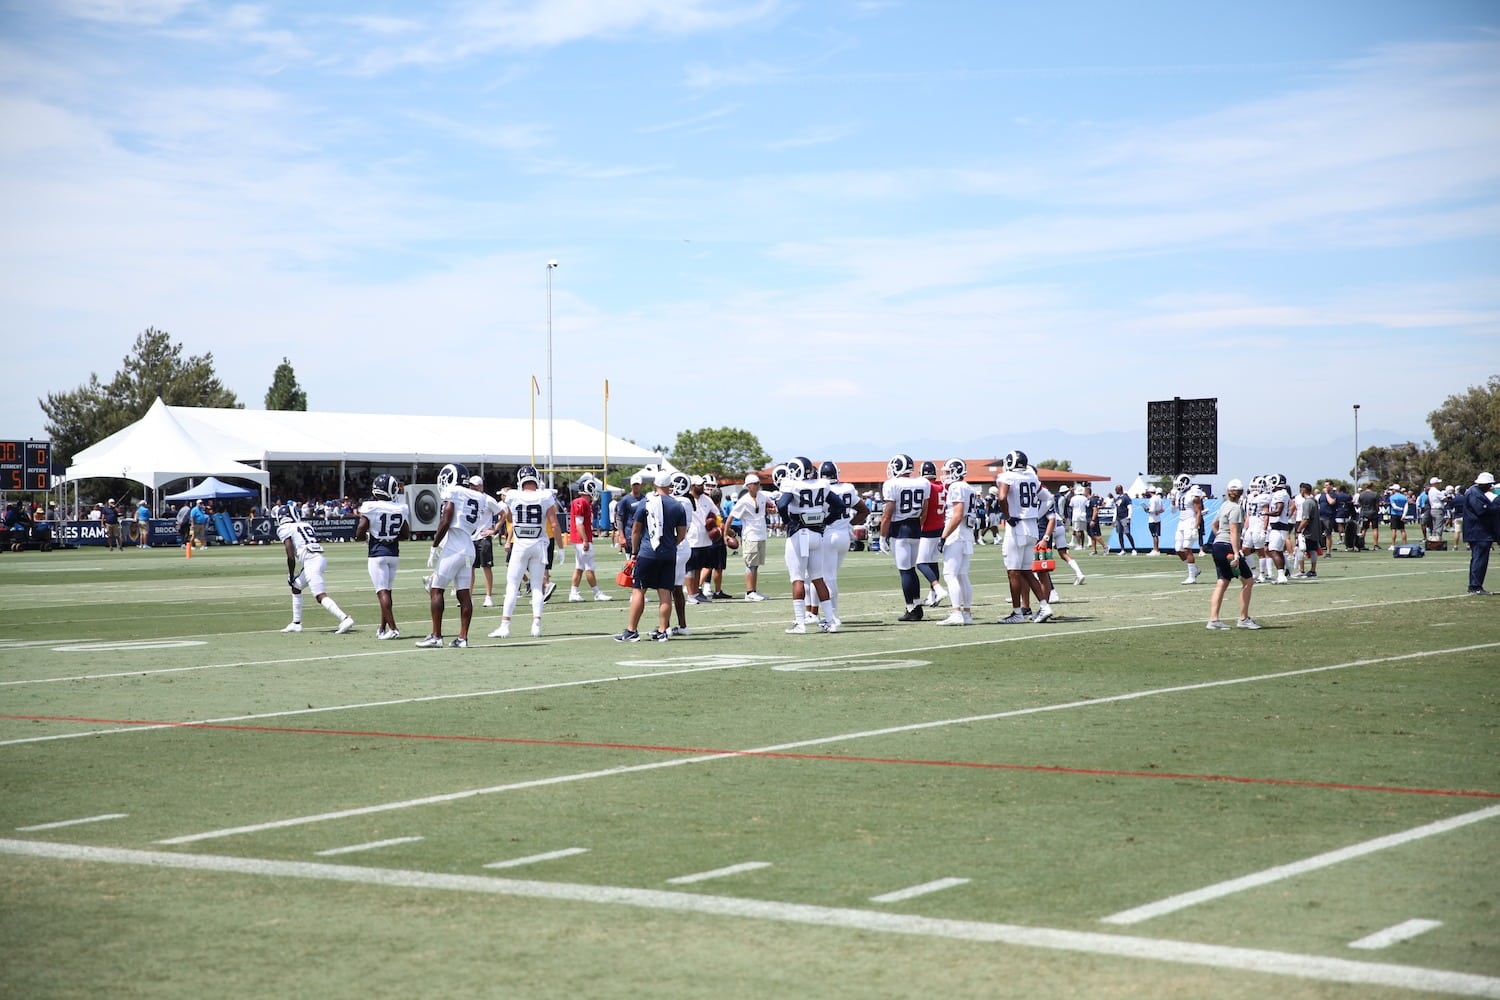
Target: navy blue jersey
659, 517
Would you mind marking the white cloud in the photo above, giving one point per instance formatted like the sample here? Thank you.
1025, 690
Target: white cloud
130, 12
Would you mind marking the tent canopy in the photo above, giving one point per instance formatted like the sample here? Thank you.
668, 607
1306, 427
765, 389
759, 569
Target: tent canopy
156, 450
213, 489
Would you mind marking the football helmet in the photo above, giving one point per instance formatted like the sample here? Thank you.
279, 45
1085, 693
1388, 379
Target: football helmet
829, 471
778, 474
679, 483
589, 487
287, 513
453, 474
1182, 482
385, 487
710, 481
929, 469
955, 470
525, 474
801, 469
1256, 483
1278, 481
901, 465
1015, 460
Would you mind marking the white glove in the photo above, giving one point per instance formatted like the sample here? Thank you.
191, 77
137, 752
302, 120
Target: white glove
432, 555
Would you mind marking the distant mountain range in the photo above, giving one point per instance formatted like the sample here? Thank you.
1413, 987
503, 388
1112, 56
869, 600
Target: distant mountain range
1120, 455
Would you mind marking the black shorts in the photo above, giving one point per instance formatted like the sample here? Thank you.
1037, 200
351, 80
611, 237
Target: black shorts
551, 548
1155, 528
718, 556
1229, 567
1094, 531
484, 553
655, 574
701, 558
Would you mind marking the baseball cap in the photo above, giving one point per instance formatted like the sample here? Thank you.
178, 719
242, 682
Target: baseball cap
1484, 479
752, 478
1395, 486
1233, 484
476, 481
1433, 481
696, 480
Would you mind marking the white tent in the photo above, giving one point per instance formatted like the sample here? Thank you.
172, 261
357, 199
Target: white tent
157, 449
1138, 488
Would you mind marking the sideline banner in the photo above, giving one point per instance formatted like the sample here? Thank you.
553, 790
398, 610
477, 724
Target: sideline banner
163, 531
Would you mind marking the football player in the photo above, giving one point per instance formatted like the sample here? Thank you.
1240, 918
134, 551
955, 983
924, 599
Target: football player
1020, 507
384, 523
838, 532
906, 496
807, 506
484, 549
305, 565
680, 486
581, 526
960, 502
1187, 499
530, 511
1281, 519
929, 544
464, 512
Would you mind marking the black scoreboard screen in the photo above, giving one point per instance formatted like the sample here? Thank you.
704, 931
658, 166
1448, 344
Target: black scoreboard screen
26, 466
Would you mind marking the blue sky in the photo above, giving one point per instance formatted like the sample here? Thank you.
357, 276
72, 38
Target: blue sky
824, 222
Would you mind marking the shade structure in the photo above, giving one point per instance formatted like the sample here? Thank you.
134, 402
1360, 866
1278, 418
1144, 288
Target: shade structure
213, 488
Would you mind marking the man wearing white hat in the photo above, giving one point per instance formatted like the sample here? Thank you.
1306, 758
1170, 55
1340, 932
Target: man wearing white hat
1399, 503
1481, 521
1435, 512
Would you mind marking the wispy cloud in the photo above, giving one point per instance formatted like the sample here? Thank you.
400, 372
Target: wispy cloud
812, 137
132, 12
693, 122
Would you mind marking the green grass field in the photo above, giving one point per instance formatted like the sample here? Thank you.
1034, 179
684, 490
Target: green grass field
196, 804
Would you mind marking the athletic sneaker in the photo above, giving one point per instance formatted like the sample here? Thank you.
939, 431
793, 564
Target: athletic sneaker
426, 583
536, 628
489, 601
936, 596
1299, 576
754, 596
431, 642
548, 592
459, 643
394, 633
968, 618
1247, 623
629, 635
1281, 578
1078, 580
913, 614
1313, 575
677, 630
1043, 613
797, 629
1190, 580
1016, 617
659, 636
956, 618
503, 632
834, 624
600, 595
699, 598
293, 627
344, 625
1216, 625
574, 597
1052, 596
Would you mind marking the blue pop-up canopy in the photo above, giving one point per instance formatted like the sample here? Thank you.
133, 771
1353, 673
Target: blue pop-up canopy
214, 489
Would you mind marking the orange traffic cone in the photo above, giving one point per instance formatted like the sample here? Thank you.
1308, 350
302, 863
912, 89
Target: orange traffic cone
189, 548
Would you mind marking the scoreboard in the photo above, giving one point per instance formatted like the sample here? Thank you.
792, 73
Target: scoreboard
26, 466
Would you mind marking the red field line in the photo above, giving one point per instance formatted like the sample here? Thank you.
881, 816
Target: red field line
839, 758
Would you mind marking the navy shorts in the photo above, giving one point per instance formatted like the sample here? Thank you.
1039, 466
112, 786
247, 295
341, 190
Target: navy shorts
655, 574
484, 553
701, 558
1227, 565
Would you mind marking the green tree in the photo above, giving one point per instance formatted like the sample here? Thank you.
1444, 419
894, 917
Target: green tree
285, 393
1407, 463
1467, 431
1056, 465
718, 450
154, 367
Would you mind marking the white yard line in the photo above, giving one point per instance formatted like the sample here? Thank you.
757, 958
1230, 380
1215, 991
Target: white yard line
798, 745
727, 870
1404, 931
1219, 890
531, 859
1316, 967
70, 822
371, 846
913, 891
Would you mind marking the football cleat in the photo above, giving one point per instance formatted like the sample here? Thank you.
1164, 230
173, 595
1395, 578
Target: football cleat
955, 470
677, 630
900, 465
1043, 613
574, 597
600, 595
453, 474
1016, 617
431, 642
459, 643
536, 628
913, 614
503, 632
293, 627
754, 596
548, 591
345, 625
956, 618
797, 629
1015, 460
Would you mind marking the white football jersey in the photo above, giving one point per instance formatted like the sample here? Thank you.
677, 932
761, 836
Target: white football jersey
961, 493
386, 517
909, 496
1279, 507
805, 504
303, 540
1023, 493
529, 510
848, 494
1182, 502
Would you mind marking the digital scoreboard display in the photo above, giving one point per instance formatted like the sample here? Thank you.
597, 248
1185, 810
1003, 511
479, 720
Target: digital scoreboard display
26, 466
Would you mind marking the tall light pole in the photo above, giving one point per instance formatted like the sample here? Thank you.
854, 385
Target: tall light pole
1356, 447
551, 456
